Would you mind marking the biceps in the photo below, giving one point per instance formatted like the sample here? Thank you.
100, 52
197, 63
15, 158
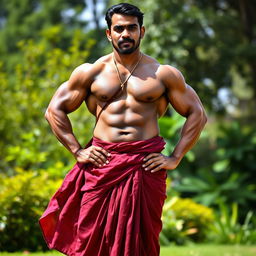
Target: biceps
185, 101
67, 99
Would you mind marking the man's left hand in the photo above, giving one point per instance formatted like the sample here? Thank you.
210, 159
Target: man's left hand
155, 162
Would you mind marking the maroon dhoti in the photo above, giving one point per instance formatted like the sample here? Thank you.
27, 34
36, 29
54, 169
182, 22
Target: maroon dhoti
113, 210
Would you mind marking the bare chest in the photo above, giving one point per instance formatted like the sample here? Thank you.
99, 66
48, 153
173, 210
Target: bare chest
144, 88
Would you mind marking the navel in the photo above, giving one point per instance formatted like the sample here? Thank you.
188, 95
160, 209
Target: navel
124, 133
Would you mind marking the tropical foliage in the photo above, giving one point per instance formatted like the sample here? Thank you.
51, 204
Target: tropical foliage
227, 229
211, 42
184, 221
23, 198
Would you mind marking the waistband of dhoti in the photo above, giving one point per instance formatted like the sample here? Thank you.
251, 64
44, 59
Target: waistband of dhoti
155, 144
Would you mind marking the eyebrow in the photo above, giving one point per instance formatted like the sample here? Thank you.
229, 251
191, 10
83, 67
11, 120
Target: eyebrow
123, 26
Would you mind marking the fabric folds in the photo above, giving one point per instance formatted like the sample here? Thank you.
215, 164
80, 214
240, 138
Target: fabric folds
113, 210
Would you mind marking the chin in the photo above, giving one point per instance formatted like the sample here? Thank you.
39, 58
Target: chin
126, 51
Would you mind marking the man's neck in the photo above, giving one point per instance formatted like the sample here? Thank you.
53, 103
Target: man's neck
127, 60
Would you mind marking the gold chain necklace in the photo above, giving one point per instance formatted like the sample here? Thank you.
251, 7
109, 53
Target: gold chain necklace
119, 76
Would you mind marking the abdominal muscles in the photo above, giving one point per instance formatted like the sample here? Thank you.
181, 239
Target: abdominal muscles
128, 120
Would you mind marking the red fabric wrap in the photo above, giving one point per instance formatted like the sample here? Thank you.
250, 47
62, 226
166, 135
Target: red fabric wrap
114, 210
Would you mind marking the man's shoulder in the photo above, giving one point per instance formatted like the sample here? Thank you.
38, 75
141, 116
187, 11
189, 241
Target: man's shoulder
103, 60
92, 69
170, 72
163, 69
171, 76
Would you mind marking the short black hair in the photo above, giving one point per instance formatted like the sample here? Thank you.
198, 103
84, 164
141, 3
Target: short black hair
125, 9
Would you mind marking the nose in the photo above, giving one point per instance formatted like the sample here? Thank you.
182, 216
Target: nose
126, 33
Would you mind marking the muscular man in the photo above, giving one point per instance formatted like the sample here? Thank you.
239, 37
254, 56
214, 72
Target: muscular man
120, 177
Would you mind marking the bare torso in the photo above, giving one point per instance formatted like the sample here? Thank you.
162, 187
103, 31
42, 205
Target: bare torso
133, 114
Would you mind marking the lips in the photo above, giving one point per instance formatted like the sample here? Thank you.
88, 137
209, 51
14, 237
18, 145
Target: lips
126, 42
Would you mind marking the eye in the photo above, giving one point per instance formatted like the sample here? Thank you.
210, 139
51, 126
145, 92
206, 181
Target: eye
119, 29
132, 27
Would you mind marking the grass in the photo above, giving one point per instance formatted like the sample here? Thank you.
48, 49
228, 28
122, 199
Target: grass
209, 250
195, 250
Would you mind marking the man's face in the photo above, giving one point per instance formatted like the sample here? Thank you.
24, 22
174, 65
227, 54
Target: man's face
125, 33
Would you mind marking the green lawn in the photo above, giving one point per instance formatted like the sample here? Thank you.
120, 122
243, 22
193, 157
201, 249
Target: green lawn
209, 250
196, 250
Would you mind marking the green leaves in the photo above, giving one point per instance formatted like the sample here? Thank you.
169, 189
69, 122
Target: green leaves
27, 141
184, 221
227, 229
23, 199
221, 166
26, 19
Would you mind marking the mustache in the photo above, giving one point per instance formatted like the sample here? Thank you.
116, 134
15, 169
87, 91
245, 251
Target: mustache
126, 40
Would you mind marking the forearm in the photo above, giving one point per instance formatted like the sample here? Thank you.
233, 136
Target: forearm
190, 133
61, 127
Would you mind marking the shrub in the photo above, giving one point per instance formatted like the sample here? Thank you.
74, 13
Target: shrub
184, 220
23, 198
224, 170
26, 140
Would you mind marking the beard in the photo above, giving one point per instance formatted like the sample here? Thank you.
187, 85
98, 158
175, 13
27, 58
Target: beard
125, 50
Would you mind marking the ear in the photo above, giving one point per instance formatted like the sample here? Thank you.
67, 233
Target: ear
142, 32
108, 34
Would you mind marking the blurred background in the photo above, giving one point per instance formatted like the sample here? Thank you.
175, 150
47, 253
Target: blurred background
211, 195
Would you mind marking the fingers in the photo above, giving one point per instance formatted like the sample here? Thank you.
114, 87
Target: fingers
157, 168
100, 155
101, 150
151, 156
154, 162
96, 155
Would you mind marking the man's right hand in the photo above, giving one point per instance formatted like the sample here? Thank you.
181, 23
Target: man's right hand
95, 155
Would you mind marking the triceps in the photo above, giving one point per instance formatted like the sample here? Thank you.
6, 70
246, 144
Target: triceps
68, 98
